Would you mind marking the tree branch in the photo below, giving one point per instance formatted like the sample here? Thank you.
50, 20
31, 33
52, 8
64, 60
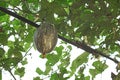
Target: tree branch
18, 17
75, 43
12, 74
87, 48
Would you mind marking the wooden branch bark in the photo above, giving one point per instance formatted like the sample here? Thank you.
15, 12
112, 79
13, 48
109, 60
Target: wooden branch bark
75, 43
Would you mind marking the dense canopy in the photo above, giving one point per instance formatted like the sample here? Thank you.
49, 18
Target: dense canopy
90, 25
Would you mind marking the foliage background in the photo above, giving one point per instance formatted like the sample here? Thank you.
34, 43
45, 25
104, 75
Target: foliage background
94, 23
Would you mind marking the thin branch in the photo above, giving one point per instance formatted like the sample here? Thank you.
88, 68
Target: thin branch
9, 70
28, 51
23, 56
75, 43
12, 74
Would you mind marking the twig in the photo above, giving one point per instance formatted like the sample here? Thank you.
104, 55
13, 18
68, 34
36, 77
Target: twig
28, 51
75, 43
9, 70
23, 56
12, 74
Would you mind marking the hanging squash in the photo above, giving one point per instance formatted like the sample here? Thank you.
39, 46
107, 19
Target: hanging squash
45, 38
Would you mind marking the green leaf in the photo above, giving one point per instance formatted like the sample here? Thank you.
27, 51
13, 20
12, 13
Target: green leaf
0, 74
14, 2
52, 59
2, 51
10, 62
47, 70
83, 58
28, 38
58, 9
70, 47
1, 13
94, 72
59, 50
31, 1
39, 71
87, 78
82, 77
2, 4
20, 71
20, 48
10, 52
99, 65
26, 46
37, 78
86, 15
63, 70
24, 62
18, 55
99, 68
10, 43
54, 77
65, 60
3, 39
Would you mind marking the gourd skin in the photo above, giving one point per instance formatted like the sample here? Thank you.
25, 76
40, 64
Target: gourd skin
45, 38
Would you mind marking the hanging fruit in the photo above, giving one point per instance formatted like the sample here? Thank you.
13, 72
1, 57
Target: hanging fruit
45, 38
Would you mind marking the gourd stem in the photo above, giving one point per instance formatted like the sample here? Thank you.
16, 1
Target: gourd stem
43, 55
